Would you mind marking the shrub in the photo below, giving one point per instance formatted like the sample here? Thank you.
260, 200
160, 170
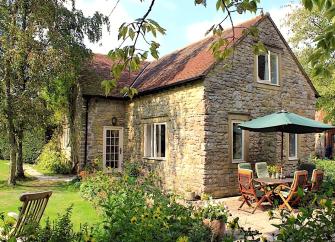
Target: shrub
53, 160
58, 230
33, 143
328, 166
314, 222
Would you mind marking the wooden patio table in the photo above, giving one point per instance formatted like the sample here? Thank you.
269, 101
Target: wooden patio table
270, 184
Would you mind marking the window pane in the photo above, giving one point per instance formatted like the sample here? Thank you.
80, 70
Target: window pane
158, 144
292, 145
237, 142
263, 67
163, 140
148, 140
274, 68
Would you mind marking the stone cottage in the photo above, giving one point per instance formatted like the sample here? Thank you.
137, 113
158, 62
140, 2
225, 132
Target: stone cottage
184, 120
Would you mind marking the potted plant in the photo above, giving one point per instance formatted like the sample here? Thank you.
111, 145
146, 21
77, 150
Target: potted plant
272, 170
215, 216
189, 195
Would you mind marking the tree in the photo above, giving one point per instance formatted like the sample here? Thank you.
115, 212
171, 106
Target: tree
41, 42
307, 27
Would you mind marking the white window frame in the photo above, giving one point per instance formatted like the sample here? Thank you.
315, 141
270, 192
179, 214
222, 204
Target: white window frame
296, 148
269, 68
120, 162
232, 142
154, 157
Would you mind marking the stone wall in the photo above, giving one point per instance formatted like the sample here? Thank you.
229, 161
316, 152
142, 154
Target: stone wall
100, 114
233, 91
183, 109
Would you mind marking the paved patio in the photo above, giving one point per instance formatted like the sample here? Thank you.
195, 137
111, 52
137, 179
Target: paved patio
260, 220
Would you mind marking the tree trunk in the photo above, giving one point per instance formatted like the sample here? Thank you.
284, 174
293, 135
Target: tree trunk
19, 158
11, 129
8, 76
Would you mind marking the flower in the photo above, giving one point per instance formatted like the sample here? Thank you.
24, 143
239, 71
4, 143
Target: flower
183, 239
149, 202
133, 220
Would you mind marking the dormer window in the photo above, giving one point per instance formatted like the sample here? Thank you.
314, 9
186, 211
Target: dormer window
267, 68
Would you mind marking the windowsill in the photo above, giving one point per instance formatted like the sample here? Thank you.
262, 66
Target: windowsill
293, 158
238, 161
267, 83
154, 158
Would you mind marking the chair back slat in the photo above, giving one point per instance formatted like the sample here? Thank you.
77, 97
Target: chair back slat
262, 170
31, 212
244, 165
317, 179
245, 180
300, 180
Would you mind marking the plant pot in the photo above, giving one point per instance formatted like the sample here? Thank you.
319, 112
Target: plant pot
217, 227
190, 196
277, 175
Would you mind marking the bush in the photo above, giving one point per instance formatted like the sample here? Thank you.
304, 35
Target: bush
60, 229
53, 160
33, 143
328, 166
314, 222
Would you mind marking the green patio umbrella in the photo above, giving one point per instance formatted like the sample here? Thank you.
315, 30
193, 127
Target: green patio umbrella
285, 122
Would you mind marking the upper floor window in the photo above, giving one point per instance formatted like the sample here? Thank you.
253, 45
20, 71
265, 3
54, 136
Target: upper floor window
155, 140
293, 146
267, 68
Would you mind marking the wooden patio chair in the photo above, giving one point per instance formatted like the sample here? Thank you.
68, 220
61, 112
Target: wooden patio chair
317, 179
289, 195
262, 170
307, 166
249, 191
30, 213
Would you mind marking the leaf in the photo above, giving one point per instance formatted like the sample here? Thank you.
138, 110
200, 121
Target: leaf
308, 4
108, 85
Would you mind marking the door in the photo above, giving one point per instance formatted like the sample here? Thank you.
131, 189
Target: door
113, 148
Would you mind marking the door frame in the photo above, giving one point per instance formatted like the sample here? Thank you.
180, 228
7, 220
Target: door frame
120, 162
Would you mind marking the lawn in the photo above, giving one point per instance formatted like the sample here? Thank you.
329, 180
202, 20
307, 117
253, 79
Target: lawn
63, 196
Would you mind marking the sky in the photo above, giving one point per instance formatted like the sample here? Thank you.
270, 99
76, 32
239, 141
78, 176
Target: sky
184, 22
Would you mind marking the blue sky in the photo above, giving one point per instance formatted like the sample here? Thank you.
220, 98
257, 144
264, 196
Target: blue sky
185, 23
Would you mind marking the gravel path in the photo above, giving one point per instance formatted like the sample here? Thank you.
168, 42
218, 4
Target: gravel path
61, 178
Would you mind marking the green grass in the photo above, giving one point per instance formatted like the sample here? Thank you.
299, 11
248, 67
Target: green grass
63, 196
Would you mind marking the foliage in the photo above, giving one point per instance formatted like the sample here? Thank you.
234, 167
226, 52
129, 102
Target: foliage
135, 210
311, 39
53, 160
328, 166
95, 187
314, 222
215, 212
61, 229
33, 143
272, 169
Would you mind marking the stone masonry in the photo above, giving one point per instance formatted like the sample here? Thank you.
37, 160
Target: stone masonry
198, 117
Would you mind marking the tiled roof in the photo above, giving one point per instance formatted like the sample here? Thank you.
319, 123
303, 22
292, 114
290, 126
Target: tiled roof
190, 63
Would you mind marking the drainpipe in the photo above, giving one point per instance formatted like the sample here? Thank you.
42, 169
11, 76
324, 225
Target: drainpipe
86, 129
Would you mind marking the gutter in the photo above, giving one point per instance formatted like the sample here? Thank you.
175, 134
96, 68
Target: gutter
86, 130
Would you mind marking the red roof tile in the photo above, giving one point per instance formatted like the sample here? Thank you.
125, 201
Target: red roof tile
191, 62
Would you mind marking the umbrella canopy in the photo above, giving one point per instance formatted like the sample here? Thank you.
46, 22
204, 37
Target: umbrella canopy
285, 122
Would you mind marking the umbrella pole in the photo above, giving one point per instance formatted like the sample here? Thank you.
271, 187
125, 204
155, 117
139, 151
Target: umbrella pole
282, 153
282, 147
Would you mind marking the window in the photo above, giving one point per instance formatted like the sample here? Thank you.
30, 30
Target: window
267, 68
155, 140
293, 146
237, 142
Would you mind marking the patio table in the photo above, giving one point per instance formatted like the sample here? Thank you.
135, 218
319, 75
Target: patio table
271, 184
